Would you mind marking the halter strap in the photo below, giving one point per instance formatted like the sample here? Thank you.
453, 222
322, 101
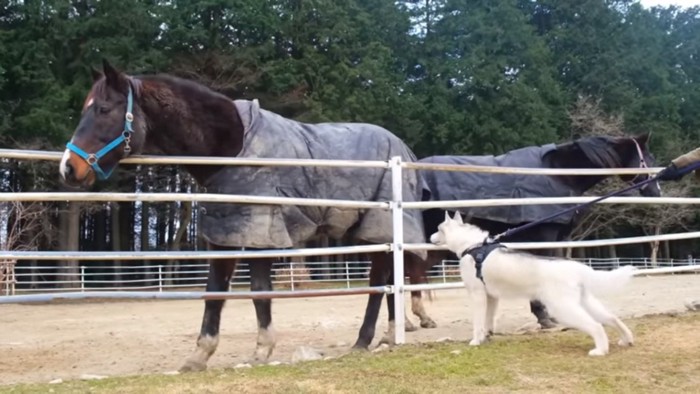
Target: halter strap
642, 163
93, 158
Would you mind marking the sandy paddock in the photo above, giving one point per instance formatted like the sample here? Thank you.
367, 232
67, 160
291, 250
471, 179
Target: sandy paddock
39, 343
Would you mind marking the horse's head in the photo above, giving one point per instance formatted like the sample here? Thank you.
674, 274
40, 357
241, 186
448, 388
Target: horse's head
111, 128
634, 153
607, 152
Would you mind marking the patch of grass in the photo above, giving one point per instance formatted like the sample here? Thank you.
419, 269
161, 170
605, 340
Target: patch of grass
664, 359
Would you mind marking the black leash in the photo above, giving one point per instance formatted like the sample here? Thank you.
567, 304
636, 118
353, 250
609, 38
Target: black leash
526, 226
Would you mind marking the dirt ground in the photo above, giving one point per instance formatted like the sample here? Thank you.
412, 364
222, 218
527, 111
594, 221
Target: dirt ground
40, 343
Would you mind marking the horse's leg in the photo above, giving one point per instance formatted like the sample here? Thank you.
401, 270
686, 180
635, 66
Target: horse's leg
220, 272
378, 276
390, 337
548, 233
419, 275
261, 280
410, 272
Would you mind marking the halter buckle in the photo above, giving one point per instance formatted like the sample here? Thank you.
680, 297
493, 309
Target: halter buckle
92, 159
129, 117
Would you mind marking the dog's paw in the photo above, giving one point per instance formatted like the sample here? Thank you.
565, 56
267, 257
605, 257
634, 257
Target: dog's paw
597, 352
624, 342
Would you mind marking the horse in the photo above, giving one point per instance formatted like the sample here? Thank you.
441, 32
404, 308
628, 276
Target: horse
587, 152
123, 115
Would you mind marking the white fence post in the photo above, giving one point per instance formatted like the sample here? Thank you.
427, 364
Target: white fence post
82, 279
160, 278
347, 274
397, 248
291, 272
444, 274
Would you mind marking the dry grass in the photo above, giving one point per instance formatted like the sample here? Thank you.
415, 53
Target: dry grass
664, 359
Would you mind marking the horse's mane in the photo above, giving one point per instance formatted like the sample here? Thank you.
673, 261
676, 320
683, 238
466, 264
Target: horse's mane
190, 89
600, 150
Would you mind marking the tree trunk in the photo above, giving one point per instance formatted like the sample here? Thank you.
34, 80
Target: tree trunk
116, 238
70, 231
145, 216
185, 219
655, 247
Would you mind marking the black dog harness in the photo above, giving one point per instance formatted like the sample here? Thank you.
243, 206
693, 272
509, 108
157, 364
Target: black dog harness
479, 253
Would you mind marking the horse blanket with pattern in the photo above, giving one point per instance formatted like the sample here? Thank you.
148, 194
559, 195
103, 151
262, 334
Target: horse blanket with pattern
268, 135
451, 185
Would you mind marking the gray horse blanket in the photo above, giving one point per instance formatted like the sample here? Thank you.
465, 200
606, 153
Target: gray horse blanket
268, 135
450, 185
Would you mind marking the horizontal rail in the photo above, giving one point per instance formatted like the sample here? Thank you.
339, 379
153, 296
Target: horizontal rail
487, 202
202, 160
193, 255
666, 270
192, 295
528, 171
197, 160
195, 197
639, 272
574, 244
434, 286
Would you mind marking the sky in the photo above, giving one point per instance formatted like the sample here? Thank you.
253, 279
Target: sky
666, 3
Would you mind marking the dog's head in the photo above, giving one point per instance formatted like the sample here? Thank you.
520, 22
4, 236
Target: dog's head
454, 233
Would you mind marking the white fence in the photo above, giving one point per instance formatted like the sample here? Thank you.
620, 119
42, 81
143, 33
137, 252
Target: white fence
292, 275
396, 205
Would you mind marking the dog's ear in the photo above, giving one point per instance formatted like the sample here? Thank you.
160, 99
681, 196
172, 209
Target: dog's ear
447, 217
458, 217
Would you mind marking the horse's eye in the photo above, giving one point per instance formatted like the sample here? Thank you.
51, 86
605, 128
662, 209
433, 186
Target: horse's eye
102, 109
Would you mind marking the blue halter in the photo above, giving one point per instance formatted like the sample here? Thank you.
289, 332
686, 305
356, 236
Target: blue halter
93, 158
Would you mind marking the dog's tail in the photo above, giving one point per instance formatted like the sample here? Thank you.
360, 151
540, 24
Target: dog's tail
604, 282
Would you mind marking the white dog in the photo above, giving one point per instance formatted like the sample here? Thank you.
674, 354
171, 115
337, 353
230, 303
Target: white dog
564, 286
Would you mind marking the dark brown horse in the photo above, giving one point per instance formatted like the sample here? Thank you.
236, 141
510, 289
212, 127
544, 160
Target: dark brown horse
124, 115
587, 152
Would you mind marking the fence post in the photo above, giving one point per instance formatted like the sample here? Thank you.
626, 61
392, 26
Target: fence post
82, 279
291, 272
160, 278
347, 274
444, 274
397, 248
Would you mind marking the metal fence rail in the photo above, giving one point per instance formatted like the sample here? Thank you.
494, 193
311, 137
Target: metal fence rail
346, 274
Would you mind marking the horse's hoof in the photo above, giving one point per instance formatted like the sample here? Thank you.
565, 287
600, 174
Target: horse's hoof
193, 366
428, 323
409, 326
261, 355
547, 324
359, 348
387, 340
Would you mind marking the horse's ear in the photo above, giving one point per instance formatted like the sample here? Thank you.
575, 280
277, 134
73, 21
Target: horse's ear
643, 139
96, 74
115, 79
458, 217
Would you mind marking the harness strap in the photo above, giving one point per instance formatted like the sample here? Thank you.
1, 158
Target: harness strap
479, 253
93, 158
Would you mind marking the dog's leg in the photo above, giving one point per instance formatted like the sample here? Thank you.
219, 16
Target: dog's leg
491, 306
603, 316
479, 303
568, 309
